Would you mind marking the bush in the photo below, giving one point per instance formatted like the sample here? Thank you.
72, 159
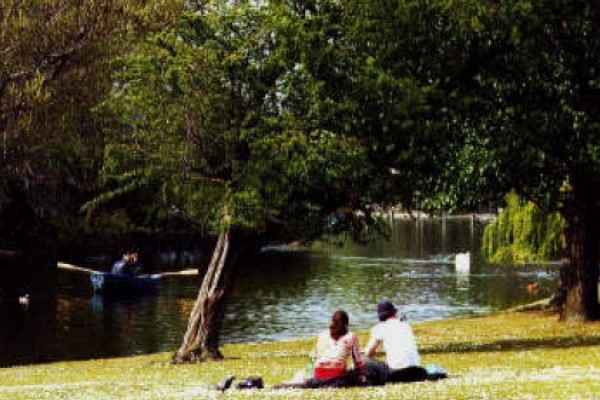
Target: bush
523, 233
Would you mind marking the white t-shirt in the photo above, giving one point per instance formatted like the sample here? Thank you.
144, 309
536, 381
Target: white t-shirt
398, 342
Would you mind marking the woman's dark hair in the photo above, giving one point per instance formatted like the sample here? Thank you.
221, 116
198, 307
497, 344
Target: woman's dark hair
339, 324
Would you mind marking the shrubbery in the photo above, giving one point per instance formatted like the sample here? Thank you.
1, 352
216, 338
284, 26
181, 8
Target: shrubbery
523, 233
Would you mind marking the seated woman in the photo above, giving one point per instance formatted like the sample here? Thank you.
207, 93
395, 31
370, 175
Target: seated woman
334, 346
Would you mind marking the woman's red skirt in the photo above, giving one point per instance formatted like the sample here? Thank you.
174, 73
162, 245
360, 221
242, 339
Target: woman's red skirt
328, 373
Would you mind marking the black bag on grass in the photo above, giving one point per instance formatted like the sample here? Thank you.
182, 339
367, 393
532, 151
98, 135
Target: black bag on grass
254, 382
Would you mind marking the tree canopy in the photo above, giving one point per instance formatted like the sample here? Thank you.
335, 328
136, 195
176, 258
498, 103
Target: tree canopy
53, 72
228, 124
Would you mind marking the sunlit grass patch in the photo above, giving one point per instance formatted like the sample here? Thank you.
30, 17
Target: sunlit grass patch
501, 356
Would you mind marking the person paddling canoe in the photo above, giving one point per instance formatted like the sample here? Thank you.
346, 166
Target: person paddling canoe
128, 264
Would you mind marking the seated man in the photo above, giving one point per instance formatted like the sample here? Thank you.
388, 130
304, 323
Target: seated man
128, 264
402, 356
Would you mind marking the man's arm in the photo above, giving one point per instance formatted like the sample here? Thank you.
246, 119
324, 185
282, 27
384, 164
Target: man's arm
371, 348
118, 267
137, 268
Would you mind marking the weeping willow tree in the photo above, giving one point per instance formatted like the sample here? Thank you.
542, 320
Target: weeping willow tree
523, 233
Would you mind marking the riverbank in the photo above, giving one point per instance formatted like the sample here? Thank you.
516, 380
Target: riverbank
512, 355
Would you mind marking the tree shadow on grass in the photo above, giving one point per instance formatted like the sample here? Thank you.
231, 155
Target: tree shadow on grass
514, 344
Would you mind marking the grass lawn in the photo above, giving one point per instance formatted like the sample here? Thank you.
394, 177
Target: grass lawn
513, 355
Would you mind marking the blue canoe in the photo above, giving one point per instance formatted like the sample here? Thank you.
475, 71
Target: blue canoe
109, 283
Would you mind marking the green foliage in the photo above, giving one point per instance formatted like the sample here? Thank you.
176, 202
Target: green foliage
233, 127
283, 112
530, 70
523, 233
390, 75
53, 72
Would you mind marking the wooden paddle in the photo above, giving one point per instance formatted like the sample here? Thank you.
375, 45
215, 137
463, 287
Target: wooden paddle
191, 271
9, 253
71, 267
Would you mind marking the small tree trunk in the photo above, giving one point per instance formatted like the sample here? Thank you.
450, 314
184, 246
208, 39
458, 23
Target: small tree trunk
578, 287
201, 340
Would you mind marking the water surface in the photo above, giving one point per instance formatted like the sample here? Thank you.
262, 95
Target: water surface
283, 294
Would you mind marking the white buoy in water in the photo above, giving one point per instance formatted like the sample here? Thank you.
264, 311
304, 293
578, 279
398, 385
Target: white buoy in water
462, 262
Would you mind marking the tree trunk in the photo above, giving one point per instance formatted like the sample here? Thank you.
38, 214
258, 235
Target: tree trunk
201, 340
578, 287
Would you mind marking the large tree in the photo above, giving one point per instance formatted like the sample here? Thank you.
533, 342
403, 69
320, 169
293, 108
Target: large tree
464, 101
533, 125
221, 116
551, 148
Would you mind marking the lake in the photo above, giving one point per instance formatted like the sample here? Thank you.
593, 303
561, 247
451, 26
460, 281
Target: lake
285, 293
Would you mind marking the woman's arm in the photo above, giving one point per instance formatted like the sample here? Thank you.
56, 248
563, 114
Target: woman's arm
320, 346
356, 357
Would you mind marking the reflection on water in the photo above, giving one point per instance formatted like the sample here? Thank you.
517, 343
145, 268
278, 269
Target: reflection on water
282, 294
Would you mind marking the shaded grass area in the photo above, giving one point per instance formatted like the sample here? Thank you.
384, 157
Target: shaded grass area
503, 356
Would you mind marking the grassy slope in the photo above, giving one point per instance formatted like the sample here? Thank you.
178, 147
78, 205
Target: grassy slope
503, 356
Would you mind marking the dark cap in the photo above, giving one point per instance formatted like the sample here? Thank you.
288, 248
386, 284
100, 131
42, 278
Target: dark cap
385, 309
